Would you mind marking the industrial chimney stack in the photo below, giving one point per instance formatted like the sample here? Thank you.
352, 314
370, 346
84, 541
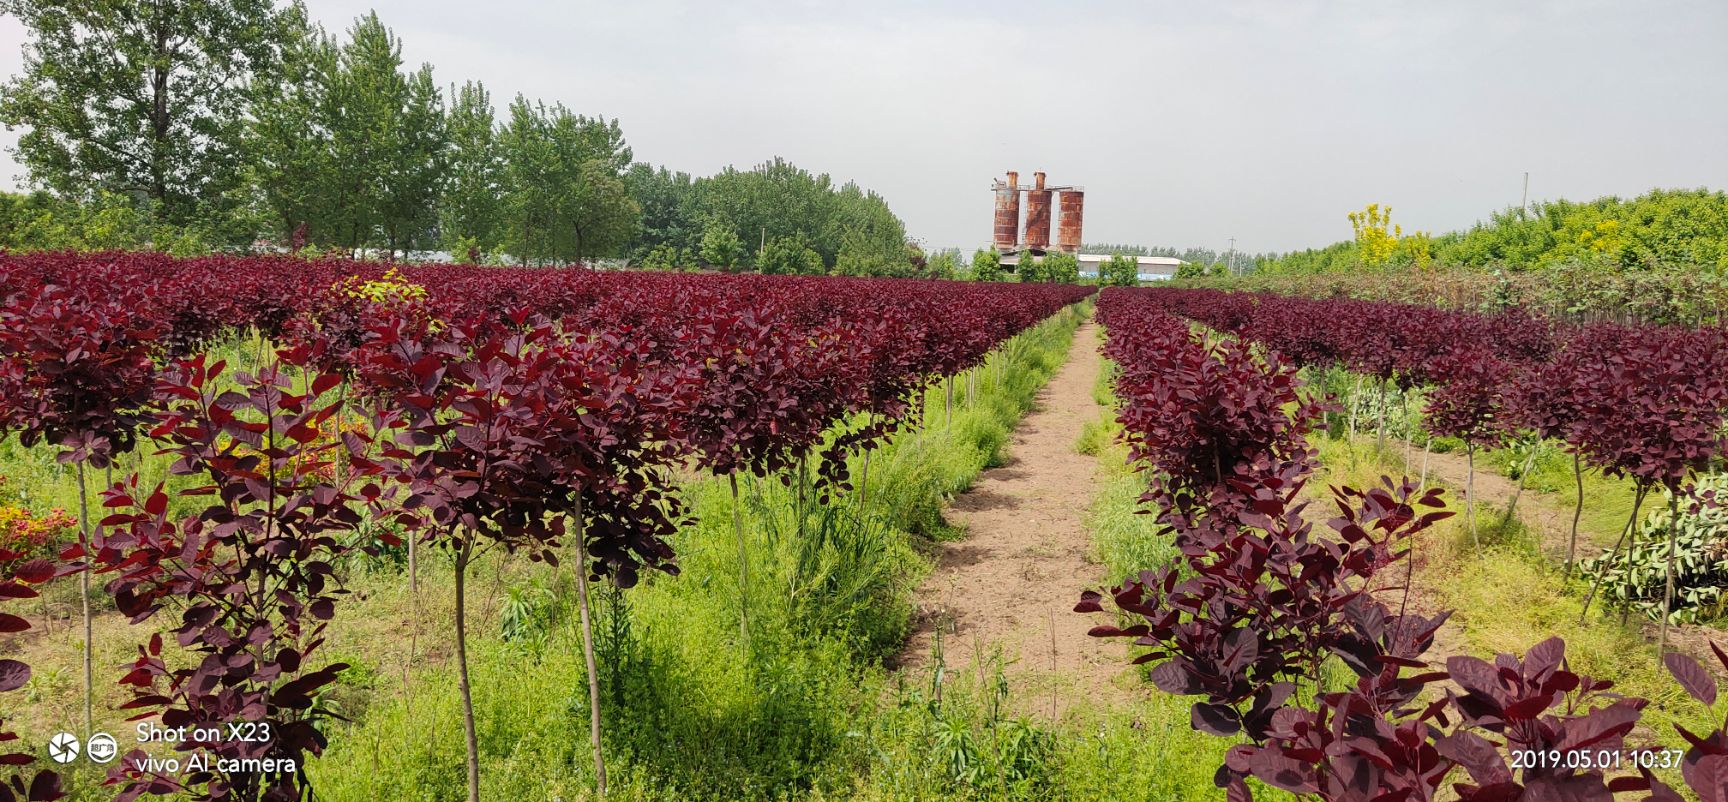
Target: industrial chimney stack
1038, 215
1007, 237
1073, 207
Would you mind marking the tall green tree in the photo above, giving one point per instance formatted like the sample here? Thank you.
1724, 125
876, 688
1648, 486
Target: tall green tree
347, 144
387, 140
418, 164
470, 211
1032, 270
1062, 268
290, 152
1120, 270
789, 256
944, 264
143, 98
986, 265
721, 247
564, 197
670, 216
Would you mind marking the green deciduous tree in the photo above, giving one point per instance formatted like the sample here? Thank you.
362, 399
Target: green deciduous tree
564, 197
139, 98
388, 140
670, 216
348, 144
666, 257
851, 230
1120, 270
288, 144
721, 247
1062, 268
944, 264
986, 265
789, 256
470, 210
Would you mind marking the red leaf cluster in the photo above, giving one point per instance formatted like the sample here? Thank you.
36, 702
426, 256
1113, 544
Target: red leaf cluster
1256, 602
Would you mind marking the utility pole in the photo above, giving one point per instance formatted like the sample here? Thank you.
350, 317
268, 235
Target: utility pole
1524, 200
1232, 256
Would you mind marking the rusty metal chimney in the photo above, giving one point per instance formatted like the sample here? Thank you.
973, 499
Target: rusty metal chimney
1007, 236
1068, 232
1038, 215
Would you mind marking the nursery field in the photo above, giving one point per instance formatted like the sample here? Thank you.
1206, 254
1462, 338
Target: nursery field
1266, 598
443, 533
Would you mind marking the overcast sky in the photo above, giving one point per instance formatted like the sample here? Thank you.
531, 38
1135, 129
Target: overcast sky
1186, 122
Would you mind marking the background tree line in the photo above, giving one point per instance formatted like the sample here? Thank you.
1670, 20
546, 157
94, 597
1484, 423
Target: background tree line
189, 125
1659, 230
1199, 256
775, 218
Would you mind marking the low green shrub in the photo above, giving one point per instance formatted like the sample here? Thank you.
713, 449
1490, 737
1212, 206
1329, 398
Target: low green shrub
1637, 576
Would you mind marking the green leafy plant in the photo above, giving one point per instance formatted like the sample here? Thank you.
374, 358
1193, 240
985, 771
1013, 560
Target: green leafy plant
1634, 579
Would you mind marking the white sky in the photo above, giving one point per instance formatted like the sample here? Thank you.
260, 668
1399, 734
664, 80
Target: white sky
1187, 122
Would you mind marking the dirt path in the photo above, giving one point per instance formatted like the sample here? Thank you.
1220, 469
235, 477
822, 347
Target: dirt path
1012, 582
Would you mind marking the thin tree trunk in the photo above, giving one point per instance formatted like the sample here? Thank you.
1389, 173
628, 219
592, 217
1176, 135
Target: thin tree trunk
473, 739
803, 496
1353, 393
588, 652
1404, 422
1668, 591
1577, 512
1380, 427
948, 404
1470, 494
1637, 502
1427, 445
864, 480
84, 600
743, 563
1523, 476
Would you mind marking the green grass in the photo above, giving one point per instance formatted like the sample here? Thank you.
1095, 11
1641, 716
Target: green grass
802, 709
1507, 596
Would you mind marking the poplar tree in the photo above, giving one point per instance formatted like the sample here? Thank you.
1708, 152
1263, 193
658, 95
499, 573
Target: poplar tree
470, 209
143, 98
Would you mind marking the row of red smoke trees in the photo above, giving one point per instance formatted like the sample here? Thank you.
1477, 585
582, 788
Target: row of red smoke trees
1244, 618
538, 411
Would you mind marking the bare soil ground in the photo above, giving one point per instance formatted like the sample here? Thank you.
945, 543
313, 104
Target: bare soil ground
1011, 584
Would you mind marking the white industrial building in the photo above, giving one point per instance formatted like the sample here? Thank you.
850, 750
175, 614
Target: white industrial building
1152, 268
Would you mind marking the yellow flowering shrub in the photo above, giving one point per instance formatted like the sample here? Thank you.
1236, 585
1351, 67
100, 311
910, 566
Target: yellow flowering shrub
1376, 235
24, 532
393, 289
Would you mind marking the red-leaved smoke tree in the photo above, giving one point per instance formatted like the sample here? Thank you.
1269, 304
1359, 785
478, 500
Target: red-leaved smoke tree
17, 782
1393, 737
1704, 767
1471, 404
248, 574
513, 438
1654, 409
1199, 416
76, 372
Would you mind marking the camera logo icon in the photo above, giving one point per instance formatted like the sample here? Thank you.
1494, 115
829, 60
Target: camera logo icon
101, 748
63, 747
